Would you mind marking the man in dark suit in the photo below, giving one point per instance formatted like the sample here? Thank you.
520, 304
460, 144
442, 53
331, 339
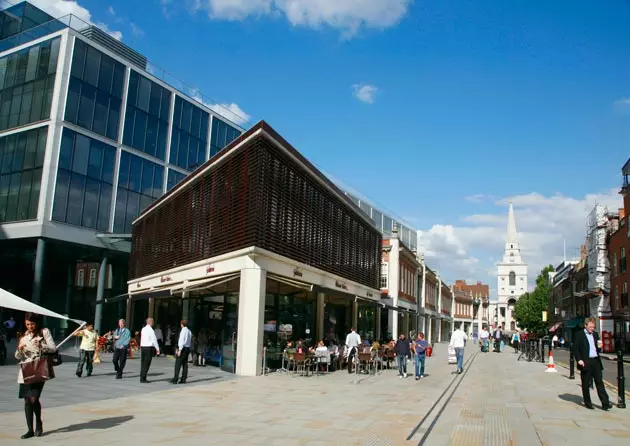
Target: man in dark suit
586, 353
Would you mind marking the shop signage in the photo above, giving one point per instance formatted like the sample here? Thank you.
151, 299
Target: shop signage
297, 272
341, 285
165, 279
368, 294
138, 285
210, 269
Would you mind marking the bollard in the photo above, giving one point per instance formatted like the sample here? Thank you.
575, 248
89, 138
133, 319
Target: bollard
571, 362
621, 381
542, 351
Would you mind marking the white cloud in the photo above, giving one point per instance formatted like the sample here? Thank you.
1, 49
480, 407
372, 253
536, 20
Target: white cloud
477, 198
346, 15
469, 250
111, 10
364, 92
231, 111
622, 103
60, 8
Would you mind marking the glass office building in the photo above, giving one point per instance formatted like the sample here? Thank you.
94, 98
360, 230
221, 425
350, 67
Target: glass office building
89, 137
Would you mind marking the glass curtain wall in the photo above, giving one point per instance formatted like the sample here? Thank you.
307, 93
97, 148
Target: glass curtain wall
337, 319
21, 161
85, 177
27, 79
95, 91
367, 321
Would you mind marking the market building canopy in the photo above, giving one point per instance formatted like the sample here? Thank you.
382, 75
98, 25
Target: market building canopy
13, 302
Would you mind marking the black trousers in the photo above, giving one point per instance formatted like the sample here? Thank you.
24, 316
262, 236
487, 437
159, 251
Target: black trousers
86, 358
120, 359
351, 355
592, 371
181, 362
146, 356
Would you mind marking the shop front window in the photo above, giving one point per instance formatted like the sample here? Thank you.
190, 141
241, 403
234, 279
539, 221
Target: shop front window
289, 316
337, 319
367, 322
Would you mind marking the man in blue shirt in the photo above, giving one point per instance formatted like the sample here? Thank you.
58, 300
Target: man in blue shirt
586, 353
419, 348
122, 336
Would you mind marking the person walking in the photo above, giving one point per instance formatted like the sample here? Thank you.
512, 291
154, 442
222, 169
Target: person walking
353, 340
35, 343
86, 353
182, 352
458, 342
403, 352
148, 346
484, 336
515, 341
586, 353
497, 335
419, 348
122, 337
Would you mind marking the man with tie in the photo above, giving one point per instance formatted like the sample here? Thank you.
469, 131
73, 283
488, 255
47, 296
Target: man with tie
586, 353
122, 336
148, 345
182, 352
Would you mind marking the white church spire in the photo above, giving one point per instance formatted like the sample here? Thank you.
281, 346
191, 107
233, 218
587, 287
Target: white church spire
511, 275
511, 226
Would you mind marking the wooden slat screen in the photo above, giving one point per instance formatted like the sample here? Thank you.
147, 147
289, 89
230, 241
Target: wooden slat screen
259, 196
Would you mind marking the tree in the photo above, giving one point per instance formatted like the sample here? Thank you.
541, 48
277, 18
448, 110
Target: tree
530, 306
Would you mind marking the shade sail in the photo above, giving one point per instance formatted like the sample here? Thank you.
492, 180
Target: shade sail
9, 300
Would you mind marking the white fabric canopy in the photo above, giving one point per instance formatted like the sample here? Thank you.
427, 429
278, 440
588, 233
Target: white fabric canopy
9, 300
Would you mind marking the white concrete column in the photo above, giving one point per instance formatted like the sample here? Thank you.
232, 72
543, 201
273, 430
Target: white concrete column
394, 285
251, 311
438, 336
429, 329
355, 314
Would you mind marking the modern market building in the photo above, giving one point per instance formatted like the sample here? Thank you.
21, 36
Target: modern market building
257, 247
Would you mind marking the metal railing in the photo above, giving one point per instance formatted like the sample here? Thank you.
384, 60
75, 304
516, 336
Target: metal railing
75, 23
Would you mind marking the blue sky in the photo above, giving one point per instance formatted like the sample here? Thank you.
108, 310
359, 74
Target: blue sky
436, 110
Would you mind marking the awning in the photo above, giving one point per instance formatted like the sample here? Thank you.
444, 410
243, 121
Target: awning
200, 284
10, 300
291, 282
150, 294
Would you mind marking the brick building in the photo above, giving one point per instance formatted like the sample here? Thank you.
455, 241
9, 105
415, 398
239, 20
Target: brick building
618, 249
472, 303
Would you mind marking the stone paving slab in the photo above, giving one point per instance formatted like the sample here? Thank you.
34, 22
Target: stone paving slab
499, 402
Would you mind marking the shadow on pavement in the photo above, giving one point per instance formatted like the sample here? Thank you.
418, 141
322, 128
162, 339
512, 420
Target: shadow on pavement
103, 423
577, 399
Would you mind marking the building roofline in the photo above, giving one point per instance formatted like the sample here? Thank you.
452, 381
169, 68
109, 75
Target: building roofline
259, 129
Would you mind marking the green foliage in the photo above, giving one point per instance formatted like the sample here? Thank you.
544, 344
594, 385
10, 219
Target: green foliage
529, 307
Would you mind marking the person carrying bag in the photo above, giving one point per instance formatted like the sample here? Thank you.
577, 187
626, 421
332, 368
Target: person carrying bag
37, 354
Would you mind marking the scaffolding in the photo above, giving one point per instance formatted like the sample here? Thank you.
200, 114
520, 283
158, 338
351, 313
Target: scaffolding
598, 264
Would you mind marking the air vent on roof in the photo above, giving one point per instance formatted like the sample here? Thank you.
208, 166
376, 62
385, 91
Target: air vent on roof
96, 34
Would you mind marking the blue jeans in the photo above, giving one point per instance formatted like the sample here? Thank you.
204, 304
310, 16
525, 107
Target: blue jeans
459, 353
402, 364
420, 365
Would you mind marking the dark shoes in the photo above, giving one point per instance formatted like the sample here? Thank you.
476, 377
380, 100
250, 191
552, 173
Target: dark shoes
78, 374
589, 406
29, 434
39, 429
181, 381
607, 406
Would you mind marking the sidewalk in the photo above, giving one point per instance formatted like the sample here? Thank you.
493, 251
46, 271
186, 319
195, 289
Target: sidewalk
499, 402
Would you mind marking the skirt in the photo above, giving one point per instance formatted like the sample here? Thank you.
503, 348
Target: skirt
30, 390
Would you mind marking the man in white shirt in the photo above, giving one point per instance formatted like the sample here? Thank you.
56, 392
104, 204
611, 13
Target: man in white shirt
148, 345
484, 336
353, 340
182, 352
458, 342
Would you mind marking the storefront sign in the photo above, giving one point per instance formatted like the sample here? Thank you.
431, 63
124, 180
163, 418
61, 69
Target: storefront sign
368, 294
297, 272
341, 285
210, 269
165, 279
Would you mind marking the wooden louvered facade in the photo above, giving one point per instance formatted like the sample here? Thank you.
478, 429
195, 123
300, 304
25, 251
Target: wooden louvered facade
259, 191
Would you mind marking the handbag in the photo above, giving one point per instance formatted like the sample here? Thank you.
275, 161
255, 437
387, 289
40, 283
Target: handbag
55, 359
37, 371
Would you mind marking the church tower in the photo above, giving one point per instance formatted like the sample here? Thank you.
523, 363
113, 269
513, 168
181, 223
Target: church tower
511, 276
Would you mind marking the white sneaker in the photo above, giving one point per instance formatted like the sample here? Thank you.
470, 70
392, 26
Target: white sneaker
400, 376
421, 376
405, 374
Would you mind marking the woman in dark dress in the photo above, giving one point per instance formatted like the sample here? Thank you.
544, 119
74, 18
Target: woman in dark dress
35, 342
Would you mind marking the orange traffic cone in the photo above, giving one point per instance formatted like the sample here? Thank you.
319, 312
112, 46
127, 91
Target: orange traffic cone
551, 367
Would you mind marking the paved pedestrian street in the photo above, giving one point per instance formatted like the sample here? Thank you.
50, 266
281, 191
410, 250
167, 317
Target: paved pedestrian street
497, 401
